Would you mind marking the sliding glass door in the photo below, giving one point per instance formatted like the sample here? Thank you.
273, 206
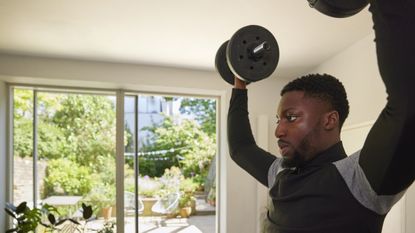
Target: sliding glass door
64, 156
170, 168
64, 152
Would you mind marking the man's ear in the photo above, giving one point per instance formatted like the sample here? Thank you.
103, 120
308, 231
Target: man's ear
331, 120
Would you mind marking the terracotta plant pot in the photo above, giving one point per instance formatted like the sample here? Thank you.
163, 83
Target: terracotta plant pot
185, 212
106, 212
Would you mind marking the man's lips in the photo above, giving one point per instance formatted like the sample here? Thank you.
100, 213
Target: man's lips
283, 145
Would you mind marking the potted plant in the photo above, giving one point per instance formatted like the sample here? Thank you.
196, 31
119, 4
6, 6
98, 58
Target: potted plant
26, 219
56, 223
185, 204
189, 187
102, 198
211, 197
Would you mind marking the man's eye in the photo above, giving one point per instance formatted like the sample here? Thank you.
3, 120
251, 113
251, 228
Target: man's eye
291, 118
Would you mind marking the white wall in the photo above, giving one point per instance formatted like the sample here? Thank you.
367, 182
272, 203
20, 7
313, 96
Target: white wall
239, 189
2, 153
357, 68
410, 210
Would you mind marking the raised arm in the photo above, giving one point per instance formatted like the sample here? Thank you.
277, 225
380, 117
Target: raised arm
388, 155
242, 146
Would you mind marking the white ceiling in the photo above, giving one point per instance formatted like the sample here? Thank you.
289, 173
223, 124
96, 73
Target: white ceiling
180, 33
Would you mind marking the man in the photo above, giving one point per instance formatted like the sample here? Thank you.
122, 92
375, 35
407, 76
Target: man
315, 187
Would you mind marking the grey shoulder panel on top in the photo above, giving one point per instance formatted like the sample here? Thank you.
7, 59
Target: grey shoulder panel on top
273, 170
360, 187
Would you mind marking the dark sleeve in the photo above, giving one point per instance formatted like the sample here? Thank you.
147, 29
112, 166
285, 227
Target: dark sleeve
242, 147
387, 157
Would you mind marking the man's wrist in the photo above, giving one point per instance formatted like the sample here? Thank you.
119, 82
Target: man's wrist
239, 84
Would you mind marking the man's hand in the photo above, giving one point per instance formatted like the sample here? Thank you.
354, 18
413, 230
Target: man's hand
239, 84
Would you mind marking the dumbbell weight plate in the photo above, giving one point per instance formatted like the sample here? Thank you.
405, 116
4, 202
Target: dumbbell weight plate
338, 8
222, 65
239, 51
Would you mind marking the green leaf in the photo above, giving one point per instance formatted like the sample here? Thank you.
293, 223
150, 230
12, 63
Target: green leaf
52, 219
10, 212
21, 207
87, 212
50, 209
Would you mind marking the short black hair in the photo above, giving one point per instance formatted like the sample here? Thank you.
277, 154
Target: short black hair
324, 87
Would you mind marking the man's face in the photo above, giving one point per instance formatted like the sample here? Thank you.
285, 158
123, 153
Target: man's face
300, 127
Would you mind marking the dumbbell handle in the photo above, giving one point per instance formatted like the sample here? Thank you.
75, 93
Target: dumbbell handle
258, 50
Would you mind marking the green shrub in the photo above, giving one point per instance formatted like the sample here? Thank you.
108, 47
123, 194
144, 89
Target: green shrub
88, 126
189, 186
101, 196
176, 143
66, 177
186, 199
153, 168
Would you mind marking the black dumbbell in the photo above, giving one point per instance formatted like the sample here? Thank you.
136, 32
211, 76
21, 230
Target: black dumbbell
251, 55
338, 8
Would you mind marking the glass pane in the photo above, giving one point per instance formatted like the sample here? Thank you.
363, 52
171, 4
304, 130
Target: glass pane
23, 146
77, 145
176, 160
76, 156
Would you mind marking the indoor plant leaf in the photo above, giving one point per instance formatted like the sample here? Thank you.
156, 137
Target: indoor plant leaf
10, 213
52, 219
21, 207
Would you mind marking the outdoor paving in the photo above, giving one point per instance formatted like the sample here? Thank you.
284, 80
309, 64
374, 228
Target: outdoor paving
204, 221
193, 224
153, 224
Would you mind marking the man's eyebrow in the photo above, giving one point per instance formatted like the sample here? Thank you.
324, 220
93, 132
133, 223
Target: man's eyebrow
286, 110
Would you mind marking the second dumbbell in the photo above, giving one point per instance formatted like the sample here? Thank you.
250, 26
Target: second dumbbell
251, 55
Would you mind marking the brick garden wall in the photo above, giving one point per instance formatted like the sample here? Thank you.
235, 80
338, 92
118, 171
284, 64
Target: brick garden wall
23, 178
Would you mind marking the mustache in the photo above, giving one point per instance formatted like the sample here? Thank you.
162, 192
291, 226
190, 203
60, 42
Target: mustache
282, 143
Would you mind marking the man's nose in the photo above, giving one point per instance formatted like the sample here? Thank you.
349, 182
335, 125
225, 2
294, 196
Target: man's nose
279, 131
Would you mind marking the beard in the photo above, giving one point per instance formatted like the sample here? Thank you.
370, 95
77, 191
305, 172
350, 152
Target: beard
295, 161
303, 152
